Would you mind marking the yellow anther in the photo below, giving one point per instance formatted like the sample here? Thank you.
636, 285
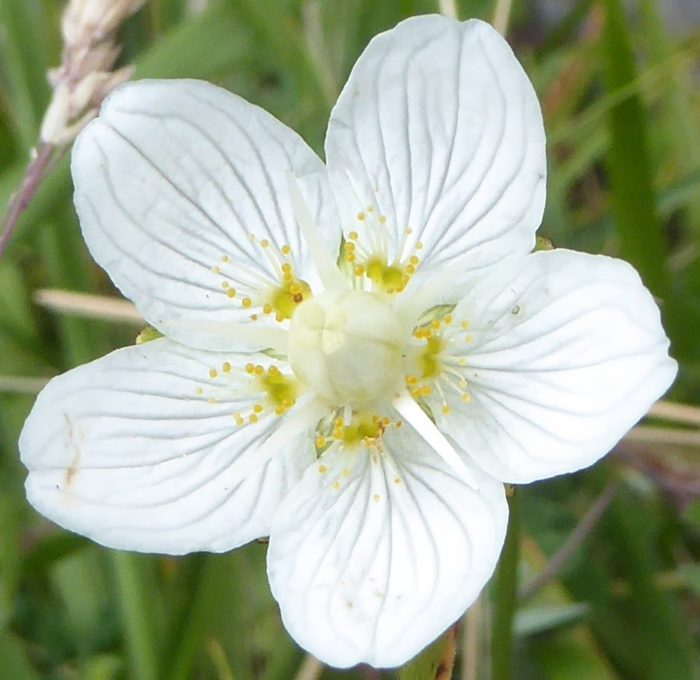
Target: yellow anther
225, 284
225, 259
359, 270
382, 219
259, 370
414, 260
448, 319
287, 268
446, 409
226, 368
250, 368
231, 292
350, 257
411, 380
199, 391
258, 408
353, 236
273, 370
247, 303
216, 269
345, 472
418, 246
264, 243
267, 308
369, 208
322, 469
239, 420
286, 250
361, 216
213, 373
466, 398
320, 441
336, 485
253, 418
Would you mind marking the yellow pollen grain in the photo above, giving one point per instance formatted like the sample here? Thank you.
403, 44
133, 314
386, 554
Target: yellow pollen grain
448, 319
226, 368
446, 410
250, 368
267, 308
231, 292
213, 373
252, 418
376, 498
466, 398
225, 284
247, 303
369, 208
359, 270
361, 216
280, 410
254, 317
397, 480
345, 472
216, 269
353, 236
211, 400
322, 469
465, 325
461, 361
259, 370
414, 260
258, 408
411, 380
409, 231
350, 257
199, 391
286, 250
336, 485
239, 420
419, 245
225, 259
382, 219
264, 243
287, 268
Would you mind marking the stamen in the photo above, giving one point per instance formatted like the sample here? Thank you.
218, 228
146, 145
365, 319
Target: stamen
321, 255
427, 429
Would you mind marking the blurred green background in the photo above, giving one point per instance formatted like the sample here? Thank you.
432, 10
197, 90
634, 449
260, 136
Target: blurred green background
620, 600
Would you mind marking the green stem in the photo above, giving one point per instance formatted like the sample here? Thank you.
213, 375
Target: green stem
505, 588
137, 621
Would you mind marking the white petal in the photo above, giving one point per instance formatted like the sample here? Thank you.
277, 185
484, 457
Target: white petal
564, 355
178, 185
139, 450
439, 129
373, 554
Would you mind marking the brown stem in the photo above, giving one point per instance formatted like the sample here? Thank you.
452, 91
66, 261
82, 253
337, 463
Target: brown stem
573, 543
30, 183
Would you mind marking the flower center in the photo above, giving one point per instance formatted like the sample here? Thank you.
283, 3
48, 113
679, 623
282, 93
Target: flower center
347, 346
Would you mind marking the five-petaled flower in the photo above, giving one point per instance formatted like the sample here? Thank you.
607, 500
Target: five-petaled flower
356, 355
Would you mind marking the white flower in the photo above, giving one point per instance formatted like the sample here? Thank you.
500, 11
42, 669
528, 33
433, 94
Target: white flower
364, 414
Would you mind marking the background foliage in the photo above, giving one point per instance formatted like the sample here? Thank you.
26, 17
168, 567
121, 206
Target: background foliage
620, 599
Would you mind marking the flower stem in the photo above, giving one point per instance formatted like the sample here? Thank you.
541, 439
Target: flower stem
30, 183
505, 590
136, 617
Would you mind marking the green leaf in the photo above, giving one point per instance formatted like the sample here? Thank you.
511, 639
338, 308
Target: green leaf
629, 164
